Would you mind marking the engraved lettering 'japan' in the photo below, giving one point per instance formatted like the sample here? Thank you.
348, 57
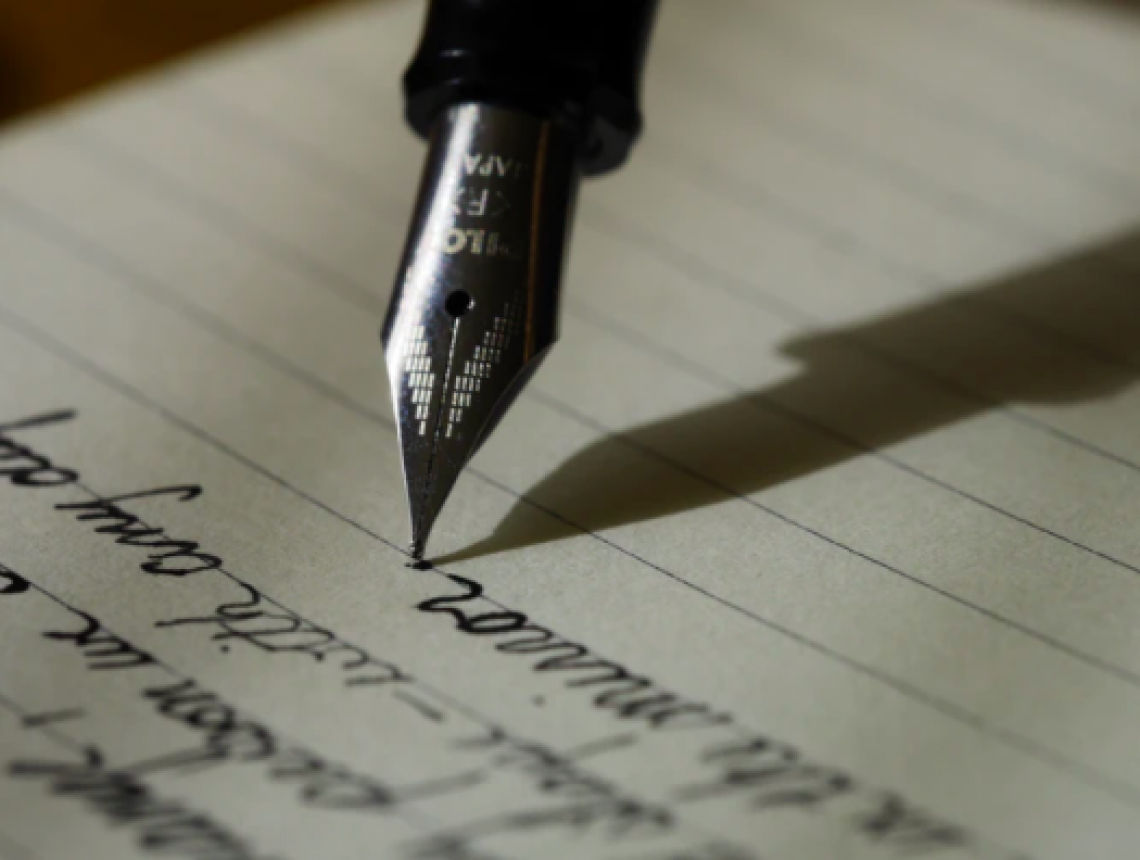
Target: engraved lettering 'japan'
480, 164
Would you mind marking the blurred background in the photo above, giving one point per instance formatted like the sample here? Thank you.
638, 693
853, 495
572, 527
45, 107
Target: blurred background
53, 49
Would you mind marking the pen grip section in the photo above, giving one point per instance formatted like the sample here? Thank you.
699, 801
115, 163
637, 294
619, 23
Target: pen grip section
578, 63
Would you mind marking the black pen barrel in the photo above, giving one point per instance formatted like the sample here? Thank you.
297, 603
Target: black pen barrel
578, 62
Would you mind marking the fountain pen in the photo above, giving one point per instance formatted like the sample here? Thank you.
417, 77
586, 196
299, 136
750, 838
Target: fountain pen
518, 100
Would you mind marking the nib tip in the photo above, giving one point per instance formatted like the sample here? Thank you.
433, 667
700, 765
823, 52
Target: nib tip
417, 562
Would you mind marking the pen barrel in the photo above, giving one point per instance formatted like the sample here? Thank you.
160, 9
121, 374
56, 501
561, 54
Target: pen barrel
577, 62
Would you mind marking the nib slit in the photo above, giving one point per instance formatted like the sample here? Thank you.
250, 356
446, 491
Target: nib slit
418, 550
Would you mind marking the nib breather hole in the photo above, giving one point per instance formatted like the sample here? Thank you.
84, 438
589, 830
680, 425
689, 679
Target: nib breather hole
458, 303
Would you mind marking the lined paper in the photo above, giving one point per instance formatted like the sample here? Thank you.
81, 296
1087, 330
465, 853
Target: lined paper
815, 537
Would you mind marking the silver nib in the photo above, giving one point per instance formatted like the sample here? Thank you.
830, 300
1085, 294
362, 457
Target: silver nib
476, 302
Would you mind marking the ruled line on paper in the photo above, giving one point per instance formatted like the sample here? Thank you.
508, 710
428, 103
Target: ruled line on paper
794, 315
132, 168
358, 186
703, 272
820, 51
56, 735
117, 647
232, 112
1039, 59
1027, 524
801, 130
42, 339
919, 373
562, 769
10, 849
436, 695
936, 104
791, 123
1122, 792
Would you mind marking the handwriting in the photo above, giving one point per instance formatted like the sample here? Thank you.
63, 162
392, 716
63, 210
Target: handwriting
596, 801
898, 824
29, 469
246, 621
281, 631
767, 773
170, 557
773, 774
11, 583
103, 650
231, 737
39, 721
25, 467
227, 736
711, 851
628, 696
732, 763
124, 799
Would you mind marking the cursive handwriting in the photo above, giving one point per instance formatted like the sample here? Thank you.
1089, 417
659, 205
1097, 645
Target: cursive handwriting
103, 650
167, 556
230, 737
767, 773
591, 801
124, 799
12, 583
247, 620
22, 466
279, 630
628, 696
227, 736
732, 763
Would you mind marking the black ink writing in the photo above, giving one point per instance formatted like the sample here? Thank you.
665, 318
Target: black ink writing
252, 622
248, 621
768, 774
899, 825
103, 650
22, 466
230, 737
597, 801
124, 799
167, 556
11, 583
25, 467
772, 774
628, 696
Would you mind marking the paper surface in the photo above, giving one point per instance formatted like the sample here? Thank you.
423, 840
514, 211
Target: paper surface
816, 537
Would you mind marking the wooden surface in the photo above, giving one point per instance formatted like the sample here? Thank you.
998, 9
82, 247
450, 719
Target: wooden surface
53, 49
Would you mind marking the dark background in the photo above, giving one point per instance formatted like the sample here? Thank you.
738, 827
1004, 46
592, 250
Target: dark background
53, 49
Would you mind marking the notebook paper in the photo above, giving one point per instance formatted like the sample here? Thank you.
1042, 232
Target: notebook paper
815, 537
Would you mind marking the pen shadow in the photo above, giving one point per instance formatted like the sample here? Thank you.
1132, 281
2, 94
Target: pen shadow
1066, 332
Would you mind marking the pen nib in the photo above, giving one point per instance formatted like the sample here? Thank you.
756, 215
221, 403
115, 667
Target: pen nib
475, 306
417, 549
